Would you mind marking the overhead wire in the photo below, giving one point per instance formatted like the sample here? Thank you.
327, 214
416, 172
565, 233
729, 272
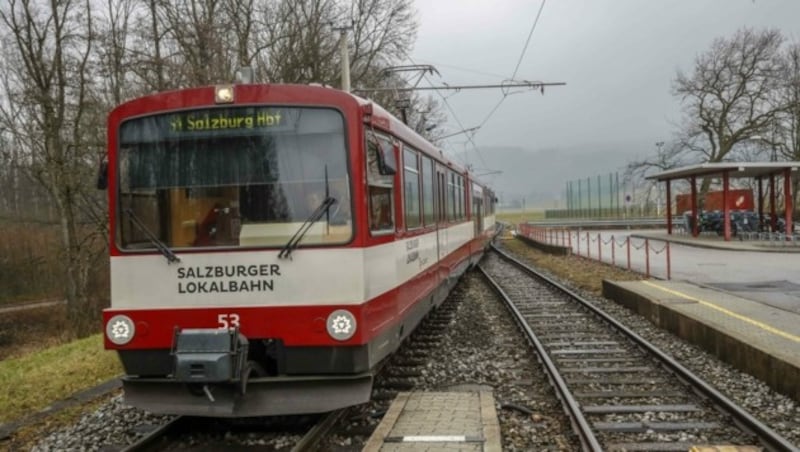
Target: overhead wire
528, 41
472, 71
458, 121
519, 62
506, 93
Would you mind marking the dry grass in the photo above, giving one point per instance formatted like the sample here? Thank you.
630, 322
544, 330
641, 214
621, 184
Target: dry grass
32, 263
27, 331
584, 273
29, 267
31, 270
32, 382
520, 216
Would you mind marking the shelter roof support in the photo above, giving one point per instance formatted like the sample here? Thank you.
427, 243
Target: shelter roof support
669, 206
773, 216
787, 196
726, 211
693, 201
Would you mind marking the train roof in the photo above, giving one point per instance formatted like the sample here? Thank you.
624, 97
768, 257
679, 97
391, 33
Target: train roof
286, 93
403, 131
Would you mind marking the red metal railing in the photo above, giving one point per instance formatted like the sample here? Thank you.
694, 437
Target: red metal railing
564, 237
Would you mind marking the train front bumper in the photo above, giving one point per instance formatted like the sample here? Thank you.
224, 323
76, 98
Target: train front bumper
268, 396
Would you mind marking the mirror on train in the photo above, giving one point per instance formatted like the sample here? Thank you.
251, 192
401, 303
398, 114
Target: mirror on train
387, 163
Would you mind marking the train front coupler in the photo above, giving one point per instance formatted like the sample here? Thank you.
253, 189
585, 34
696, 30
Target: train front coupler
210, 356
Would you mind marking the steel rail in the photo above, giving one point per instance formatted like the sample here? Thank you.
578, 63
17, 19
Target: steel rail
571, 406
742, 418
151, 437
312, 438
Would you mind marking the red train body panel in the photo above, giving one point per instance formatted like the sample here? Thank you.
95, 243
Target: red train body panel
271, 244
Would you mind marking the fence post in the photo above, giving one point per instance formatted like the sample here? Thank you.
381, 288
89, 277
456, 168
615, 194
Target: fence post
669, 264
647, 258
628, 240
588, 243
599, 247
613, 251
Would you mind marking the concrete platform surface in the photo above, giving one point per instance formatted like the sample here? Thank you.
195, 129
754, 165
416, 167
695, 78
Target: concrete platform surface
758, 338
438, 421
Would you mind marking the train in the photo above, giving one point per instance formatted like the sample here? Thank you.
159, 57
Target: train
272, 244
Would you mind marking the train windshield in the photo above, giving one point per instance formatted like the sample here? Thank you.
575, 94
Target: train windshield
232, 177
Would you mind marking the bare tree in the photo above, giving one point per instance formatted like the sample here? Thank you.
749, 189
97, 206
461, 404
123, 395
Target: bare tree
383, 33
304, 37
194, 43
48, 47
729, 97
791, 91
427, 117
199, 30
114, 36
243, 27
785, 140
148, 64
667, 156
304, 44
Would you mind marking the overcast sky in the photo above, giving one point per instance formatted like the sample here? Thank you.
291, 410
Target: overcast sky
617, 57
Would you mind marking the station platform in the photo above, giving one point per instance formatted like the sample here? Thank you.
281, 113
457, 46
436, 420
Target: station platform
438, 421
764, 244
757, 338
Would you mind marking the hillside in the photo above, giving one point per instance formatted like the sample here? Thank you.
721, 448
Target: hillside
540, 176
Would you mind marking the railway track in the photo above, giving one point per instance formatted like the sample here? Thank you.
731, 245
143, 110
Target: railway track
468, 342
169, 436
620, 392
399, 373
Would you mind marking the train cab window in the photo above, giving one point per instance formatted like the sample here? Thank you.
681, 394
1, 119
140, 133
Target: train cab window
233, 177
381, 164
411, 188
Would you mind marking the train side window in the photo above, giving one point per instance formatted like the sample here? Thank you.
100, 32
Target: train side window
411, 188
381, 167
380, 209
451, 197
428, 178
462, 214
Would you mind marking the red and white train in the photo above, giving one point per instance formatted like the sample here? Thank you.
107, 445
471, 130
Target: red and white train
271, 244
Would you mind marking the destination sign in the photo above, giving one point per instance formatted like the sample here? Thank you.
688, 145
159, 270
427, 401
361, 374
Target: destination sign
229, 122
224, 120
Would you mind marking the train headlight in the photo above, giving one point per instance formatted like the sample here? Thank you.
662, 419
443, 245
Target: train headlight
223, 94
341, 325
120, 329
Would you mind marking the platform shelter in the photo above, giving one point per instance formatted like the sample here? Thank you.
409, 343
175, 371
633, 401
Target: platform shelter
760, 171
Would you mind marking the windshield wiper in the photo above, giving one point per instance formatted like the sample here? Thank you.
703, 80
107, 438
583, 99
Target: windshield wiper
313, 218
161, 246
